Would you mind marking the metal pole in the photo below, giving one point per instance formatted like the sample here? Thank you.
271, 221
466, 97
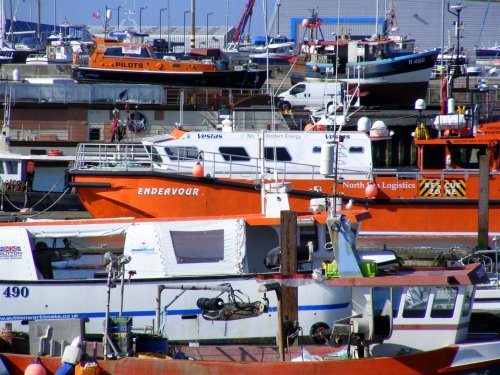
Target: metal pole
161, 11
168, 24
118, 17
227, 21
278, 4
208, 14
55, 16
140, 17
193, 24
184, 32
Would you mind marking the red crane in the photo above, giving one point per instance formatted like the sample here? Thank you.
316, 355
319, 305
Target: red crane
247, 13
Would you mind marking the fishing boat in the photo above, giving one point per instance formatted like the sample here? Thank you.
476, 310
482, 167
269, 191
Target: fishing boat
63, 47
126, 58
382, 66
488, 53
393, 314
155, 179
48, 273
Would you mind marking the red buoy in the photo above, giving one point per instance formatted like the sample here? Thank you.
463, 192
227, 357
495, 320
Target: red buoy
371, 190
198, 170
305, 23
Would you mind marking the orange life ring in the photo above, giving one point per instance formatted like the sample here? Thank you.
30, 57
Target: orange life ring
55, 153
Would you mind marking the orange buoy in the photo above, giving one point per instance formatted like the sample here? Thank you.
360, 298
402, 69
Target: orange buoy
35, 369
198, 170
371, 190
55, 153
305, 23
308, 127
315, 68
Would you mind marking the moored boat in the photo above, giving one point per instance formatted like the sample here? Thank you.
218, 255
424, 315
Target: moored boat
214, 258
393, 314
133, 61
382, 66
154, 179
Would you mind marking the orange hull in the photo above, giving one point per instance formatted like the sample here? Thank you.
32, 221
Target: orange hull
434, 362
397, 207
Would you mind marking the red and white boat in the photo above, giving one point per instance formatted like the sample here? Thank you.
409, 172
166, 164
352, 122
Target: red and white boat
439, 196
405, 321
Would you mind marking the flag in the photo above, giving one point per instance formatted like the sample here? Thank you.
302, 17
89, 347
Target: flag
123, 95
96, 15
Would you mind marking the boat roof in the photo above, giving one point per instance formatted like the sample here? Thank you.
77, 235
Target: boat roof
470, 274
117, 226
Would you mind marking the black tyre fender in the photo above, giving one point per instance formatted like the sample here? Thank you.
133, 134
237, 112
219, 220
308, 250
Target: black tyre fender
317, 328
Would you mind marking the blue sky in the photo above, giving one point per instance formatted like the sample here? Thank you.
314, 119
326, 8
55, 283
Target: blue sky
80, 11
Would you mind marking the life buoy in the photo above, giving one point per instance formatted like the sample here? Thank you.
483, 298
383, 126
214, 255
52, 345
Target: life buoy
55, 153
137, 122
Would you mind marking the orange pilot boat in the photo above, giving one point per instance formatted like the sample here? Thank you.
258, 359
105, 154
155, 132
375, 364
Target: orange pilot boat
128, 59
439, 196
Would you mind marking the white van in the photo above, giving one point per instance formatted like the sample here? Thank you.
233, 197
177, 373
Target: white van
315, 95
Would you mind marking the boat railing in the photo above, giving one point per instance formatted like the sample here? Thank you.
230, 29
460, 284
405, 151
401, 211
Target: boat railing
112, 155
136, 156
418, 174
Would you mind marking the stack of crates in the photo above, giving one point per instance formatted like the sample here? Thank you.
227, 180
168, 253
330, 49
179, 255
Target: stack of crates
120, 332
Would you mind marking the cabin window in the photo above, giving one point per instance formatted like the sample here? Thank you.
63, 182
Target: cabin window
155, 155
234, 154
416, 301
119, 52
468, 300
113, 52
198, 247
9, 167
433, 157
444, 302
466, 156
380, 295
316, 150
182, 153
281, 153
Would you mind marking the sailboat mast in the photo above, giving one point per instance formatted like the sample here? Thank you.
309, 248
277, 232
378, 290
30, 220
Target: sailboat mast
2, 23
39, 21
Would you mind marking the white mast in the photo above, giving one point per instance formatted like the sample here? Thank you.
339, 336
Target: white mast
2, 23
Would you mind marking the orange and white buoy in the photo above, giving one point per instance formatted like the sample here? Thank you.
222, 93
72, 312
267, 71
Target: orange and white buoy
371, 190
198, 170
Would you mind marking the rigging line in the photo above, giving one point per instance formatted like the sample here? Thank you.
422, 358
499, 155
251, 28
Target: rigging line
484, 21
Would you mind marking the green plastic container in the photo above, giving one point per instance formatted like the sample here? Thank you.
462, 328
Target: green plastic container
331, 269
368, 268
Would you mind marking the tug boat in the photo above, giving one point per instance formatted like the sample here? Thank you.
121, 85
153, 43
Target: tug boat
126, 58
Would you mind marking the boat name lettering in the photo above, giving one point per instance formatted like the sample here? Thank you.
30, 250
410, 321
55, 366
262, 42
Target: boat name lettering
168, 191
383, 185
210, 136
16, 292
420, 60
120, 64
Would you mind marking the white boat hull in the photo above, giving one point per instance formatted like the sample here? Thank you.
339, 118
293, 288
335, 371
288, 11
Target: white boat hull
66, 299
